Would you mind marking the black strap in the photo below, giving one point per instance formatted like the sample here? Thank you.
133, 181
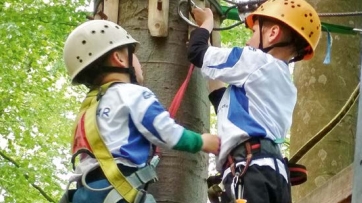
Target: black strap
131, 69
298, 173
114, 69
300, 53
97, 174
279, 44
261, 34
80, 151
267, 49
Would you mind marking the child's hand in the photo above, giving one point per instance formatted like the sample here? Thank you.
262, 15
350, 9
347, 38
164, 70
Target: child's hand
204, 18
211, 143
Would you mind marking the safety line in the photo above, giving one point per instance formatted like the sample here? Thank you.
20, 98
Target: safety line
327, 128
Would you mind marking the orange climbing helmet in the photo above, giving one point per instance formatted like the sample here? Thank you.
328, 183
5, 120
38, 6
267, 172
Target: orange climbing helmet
297, 14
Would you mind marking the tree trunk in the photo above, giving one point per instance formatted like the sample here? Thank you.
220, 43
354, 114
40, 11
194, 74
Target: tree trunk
182, 175
322, 91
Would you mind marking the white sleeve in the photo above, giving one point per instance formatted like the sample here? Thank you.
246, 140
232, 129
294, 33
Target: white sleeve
152, 120
232, 65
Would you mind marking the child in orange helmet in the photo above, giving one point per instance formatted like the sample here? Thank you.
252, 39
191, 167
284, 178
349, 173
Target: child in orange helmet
254, 111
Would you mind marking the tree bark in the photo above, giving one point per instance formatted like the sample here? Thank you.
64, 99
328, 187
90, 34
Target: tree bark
322, 91
165, 65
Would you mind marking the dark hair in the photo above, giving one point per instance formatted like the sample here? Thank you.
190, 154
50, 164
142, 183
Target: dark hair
92, 74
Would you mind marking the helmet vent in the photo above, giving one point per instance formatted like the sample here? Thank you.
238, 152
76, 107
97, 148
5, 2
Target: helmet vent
302, 28
93, 31
80, 60
117, 27
106, 26
102, 31
90, 54
282, 15
84, 42
285, 3
298, 5
110, 42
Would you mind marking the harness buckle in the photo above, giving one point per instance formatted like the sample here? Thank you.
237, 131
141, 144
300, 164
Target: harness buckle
154, 161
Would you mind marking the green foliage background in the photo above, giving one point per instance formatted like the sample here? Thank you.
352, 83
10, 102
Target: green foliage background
36, 103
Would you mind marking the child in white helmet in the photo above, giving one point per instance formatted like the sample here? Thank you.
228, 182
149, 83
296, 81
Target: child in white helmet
254, 112
129, 116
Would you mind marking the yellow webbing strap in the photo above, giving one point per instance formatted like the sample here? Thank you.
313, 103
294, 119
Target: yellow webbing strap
98, 147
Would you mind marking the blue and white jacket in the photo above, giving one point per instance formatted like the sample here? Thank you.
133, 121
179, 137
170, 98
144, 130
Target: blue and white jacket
130, 118
259, 100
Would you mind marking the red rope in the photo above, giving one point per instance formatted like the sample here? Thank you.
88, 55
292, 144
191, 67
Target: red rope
175, 104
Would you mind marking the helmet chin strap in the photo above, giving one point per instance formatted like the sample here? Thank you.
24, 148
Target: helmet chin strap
130, 70
267, 49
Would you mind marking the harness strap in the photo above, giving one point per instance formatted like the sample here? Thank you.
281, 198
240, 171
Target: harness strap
99, 149
298, 173
249, 155
137, 179
142, 197
140, 177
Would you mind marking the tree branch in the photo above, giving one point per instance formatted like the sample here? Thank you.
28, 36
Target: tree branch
26, 177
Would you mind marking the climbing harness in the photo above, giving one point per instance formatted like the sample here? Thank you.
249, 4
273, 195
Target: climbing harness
254, 148
121, 187
88, 141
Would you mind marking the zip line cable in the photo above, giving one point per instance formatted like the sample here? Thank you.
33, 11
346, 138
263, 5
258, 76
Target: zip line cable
345, 14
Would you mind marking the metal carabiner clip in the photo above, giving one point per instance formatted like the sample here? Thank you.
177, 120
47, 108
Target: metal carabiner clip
193, 4
190, 23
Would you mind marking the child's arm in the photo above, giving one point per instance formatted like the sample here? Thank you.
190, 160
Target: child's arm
198, 46
229, 65
216, 89
199, 38
156, 125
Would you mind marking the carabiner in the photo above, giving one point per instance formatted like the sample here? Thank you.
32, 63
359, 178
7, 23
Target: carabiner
193, 4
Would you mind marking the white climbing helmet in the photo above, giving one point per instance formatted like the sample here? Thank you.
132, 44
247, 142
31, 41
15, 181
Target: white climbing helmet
91, 40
